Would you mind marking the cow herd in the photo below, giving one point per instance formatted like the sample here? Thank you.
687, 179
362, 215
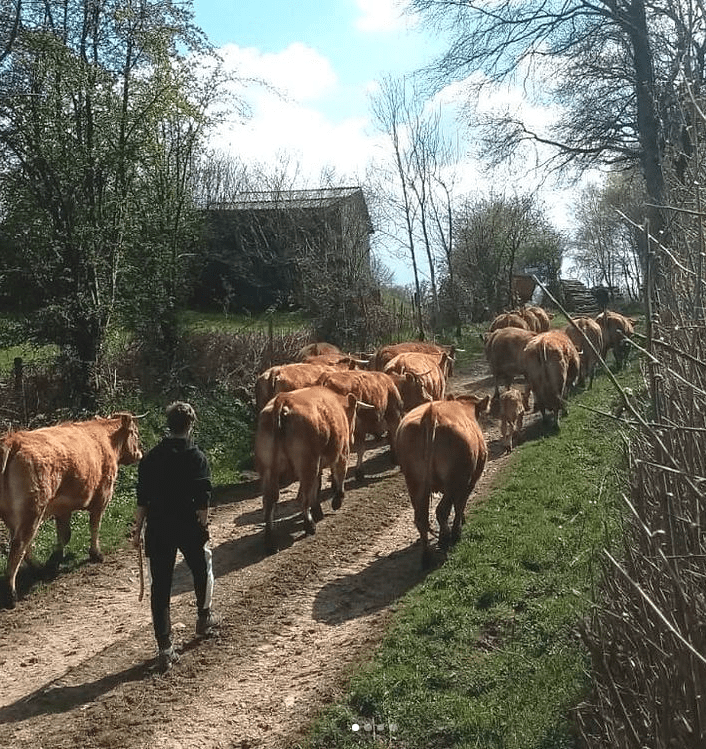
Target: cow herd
313, 412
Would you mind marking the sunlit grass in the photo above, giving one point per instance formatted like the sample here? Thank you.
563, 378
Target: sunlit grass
485, 653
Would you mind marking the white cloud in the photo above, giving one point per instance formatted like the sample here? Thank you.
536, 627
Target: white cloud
288, 120
298, 72
383, 15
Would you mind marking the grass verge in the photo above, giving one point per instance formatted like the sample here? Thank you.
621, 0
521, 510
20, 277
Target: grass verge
485, 653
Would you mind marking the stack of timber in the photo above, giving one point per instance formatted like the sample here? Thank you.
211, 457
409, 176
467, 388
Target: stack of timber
579, 300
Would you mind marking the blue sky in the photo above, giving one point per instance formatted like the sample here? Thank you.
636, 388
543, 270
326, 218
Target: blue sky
325, 57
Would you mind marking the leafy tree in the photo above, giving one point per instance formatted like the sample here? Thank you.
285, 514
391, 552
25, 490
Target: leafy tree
609, 249
496, 238
101, 110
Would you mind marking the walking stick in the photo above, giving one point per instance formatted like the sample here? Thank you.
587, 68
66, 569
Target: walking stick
141, 565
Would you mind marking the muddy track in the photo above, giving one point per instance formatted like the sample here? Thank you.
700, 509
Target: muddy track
77, 659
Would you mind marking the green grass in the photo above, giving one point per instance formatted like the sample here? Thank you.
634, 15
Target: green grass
282, 322
485, 652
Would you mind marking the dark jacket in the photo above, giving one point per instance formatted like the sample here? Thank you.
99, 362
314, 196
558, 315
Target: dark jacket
173, 482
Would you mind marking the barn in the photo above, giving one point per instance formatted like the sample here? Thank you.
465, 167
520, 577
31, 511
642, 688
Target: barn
260, 249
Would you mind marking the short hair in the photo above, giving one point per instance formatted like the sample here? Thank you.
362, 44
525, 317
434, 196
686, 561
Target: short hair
180, 416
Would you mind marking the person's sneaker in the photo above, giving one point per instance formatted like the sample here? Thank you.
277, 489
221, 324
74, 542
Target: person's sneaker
166, 658
206, 625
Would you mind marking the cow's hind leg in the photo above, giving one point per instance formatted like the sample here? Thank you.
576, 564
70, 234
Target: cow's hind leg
309, 483
338, 477
19, 543
270, 497
316, 512
420, 502
443, 510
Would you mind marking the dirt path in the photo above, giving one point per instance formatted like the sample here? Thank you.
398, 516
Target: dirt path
76, 660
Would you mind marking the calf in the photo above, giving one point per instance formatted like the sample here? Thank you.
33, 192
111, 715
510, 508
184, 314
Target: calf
299, 433
376, 389
441, 448
512, 411
53, 471
551, 365
316, 349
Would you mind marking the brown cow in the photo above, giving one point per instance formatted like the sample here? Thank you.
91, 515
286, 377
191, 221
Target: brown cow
533, 320
299, 433
316, 349
617, 331
53, 471
285, 377
512, 411
429, 369
503, 350
587, 336
551, 364
386, 353
376, 389
441, 448
544, 317
340, 361
508, 320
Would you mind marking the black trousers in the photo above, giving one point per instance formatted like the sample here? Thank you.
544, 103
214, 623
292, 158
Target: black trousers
161, 549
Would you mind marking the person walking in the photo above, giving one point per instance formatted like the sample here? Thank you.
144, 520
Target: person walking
173, 496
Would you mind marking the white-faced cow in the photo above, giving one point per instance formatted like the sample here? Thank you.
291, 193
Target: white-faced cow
503, 350
551, 365
53, 471
441, 448
587, 336
377, 389
299, 433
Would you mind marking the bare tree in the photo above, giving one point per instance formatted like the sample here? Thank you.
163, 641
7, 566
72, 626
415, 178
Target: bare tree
613, 66
422, 196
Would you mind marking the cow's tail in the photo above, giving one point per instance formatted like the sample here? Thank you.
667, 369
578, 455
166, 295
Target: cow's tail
6, 452
428, 424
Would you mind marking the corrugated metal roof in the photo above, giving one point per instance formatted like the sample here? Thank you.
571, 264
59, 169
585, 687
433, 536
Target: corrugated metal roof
263, 200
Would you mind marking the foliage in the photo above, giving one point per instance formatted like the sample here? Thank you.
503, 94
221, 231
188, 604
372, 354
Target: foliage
609, 250
485, 652
497, 237
103, 109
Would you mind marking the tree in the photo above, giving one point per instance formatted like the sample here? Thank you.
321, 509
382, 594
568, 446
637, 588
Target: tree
101, 110
418, 188
496, 238
608, 249
613, 65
